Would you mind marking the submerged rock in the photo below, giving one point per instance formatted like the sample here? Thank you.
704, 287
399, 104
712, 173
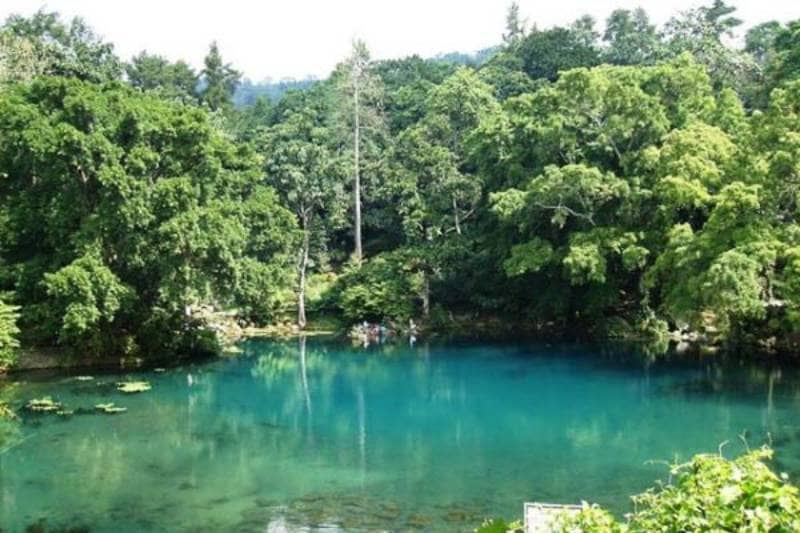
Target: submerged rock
418, 521
187, 485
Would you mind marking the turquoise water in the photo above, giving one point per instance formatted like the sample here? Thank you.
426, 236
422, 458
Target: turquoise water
315, 435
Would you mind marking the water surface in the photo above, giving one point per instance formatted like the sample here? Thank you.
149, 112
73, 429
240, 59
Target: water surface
317, 435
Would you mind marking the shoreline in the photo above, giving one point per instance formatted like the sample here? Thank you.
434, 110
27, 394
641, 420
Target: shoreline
32, 360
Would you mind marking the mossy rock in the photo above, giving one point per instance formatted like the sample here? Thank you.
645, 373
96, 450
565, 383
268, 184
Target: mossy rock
132, 387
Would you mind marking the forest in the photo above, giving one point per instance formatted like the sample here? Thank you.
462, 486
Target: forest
604, 180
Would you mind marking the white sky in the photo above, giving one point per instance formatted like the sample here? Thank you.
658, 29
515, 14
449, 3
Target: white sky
297, 38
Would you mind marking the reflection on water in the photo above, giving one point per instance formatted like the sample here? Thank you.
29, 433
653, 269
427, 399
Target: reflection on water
312, 434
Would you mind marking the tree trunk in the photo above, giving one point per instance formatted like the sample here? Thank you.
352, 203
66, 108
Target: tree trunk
456, 218
301, 285
426, 294
357, 178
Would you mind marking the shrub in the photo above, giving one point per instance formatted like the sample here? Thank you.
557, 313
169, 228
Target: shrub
714, 494
380, 288
590, 518
709, 493
8, 335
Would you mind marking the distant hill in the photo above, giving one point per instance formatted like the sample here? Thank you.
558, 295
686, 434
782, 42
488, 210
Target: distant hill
473, 59
248, 91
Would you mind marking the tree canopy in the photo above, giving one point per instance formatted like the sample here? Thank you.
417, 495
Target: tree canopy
621, 180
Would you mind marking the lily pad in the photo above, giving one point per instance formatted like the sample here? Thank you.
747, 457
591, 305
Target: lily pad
44, 405
110, 408
131, 387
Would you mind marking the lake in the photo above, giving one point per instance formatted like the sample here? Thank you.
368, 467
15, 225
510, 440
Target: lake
313, 434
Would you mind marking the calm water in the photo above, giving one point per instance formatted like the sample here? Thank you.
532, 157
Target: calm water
316, 435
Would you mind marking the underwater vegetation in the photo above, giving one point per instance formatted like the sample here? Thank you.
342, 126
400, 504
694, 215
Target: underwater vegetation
133, 387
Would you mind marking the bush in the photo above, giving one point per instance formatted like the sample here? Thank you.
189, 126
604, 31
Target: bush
8, 335
86, 299
709, 493
715, 494
590, 518
383, 287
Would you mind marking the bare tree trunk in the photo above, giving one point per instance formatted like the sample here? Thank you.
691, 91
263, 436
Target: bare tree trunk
426, 294
456, 218
357, 184
301, 288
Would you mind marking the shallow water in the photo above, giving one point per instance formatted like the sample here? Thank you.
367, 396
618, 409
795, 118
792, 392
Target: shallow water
316, 435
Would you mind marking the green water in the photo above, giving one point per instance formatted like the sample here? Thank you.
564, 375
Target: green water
313, 434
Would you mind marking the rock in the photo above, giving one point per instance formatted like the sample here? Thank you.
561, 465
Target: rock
418, 521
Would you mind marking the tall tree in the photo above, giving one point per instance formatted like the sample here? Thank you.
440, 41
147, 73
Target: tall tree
361, 93
785, 65
631, 38
301, 166
584, 31
220, 80
20, 59
66, 49
702, 32
155, 73
123, 211
759, 41
546, 53
720, 16
761, 44
436, 189
515, 25
583, 138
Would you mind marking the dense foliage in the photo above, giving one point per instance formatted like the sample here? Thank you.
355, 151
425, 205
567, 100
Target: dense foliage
8, 335
122, 211
709, 493
629, 180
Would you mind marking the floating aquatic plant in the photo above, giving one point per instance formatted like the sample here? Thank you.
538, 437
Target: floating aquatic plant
44, 405
110, 408
130, 387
